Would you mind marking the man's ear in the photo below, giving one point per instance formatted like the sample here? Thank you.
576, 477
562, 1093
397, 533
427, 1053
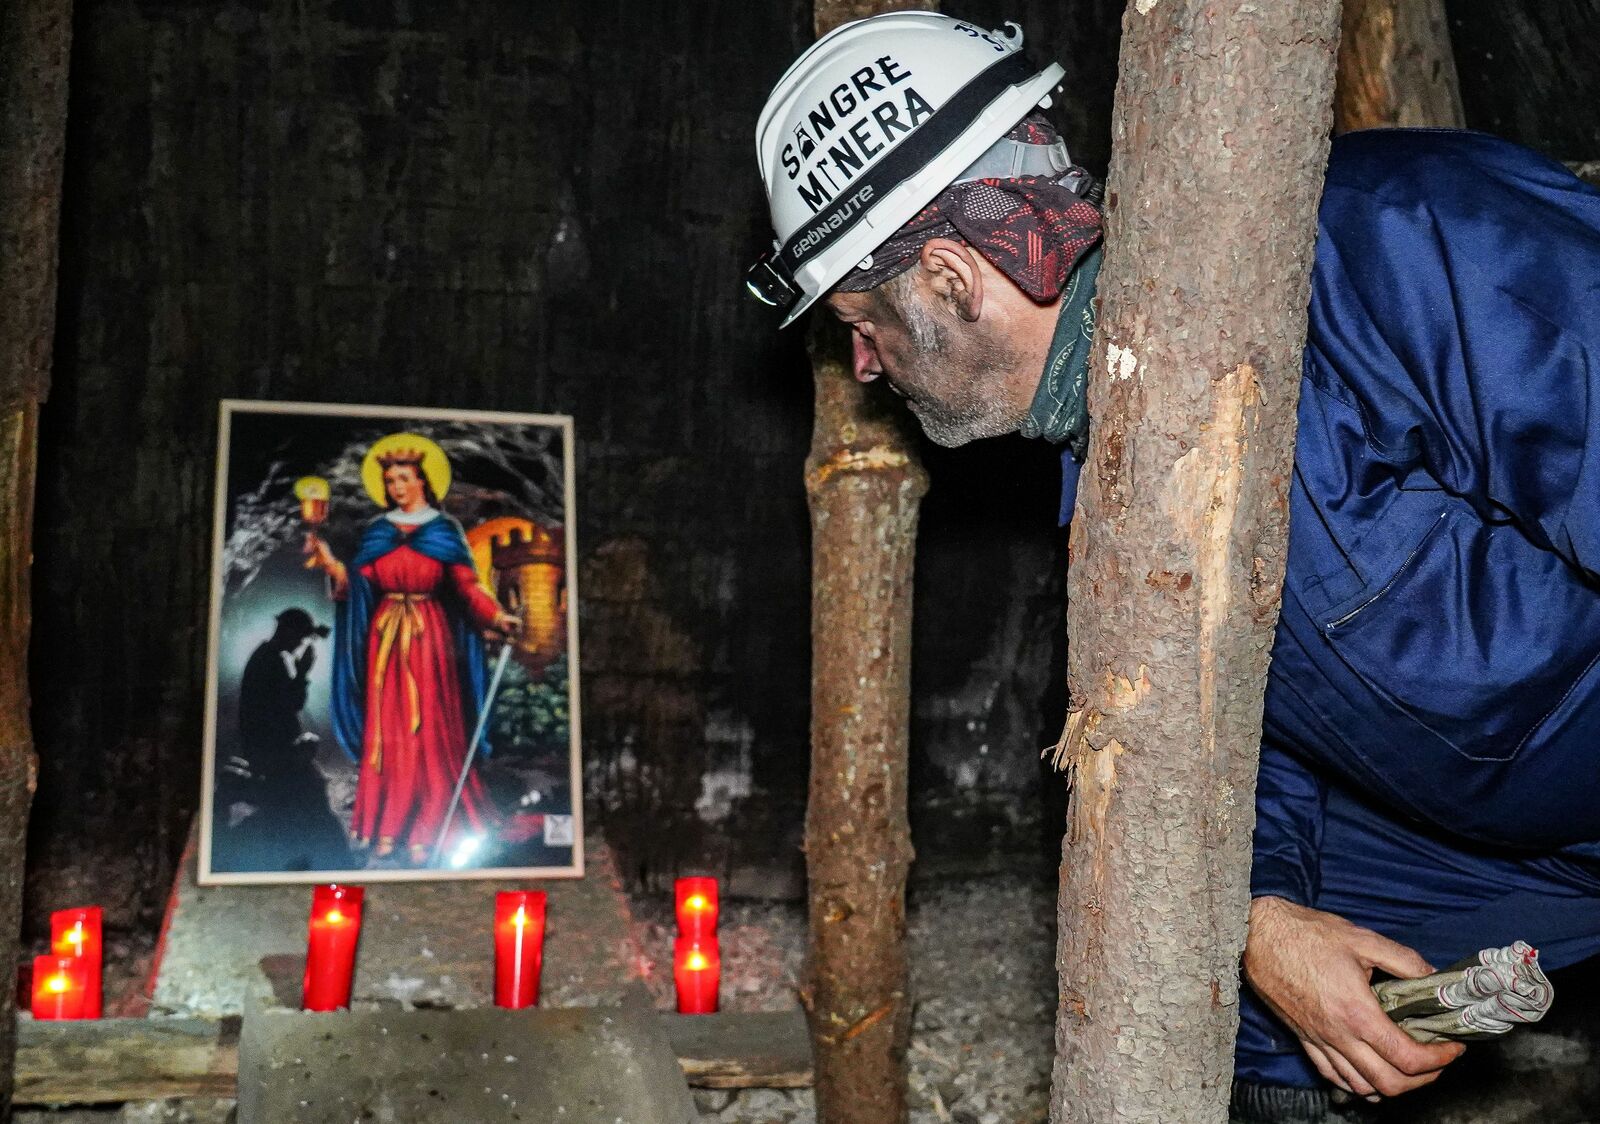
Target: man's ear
951, 270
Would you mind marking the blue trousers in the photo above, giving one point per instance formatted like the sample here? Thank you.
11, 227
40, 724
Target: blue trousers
1443, 898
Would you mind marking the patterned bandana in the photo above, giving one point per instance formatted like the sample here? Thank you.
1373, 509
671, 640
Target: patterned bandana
1033, 229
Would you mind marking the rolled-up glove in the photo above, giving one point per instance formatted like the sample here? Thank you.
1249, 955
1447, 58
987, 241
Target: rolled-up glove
1483, 996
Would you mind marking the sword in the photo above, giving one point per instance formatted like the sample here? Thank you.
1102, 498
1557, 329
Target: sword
472, 750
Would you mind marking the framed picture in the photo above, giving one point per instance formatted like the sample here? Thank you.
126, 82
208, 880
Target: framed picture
392, 683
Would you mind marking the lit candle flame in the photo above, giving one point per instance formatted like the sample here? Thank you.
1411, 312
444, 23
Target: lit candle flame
697, 903
334, 917
57, 983
520, 918
71, 942
696, 961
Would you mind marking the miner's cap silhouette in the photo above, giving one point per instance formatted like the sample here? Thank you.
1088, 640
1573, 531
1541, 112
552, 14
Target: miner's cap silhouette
299, 622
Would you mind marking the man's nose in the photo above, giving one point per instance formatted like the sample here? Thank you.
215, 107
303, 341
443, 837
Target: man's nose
865, 358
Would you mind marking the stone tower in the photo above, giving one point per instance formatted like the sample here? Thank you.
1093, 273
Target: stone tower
531, 572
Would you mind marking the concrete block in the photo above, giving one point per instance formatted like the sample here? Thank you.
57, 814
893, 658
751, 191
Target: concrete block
425, 944
596, 1065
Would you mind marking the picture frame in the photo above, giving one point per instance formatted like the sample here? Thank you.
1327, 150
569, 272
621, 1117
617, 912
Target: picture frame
392, 656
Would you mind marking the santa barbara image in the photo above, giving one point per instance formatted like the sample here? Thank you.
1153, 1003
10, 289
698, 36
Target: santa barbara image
392, 678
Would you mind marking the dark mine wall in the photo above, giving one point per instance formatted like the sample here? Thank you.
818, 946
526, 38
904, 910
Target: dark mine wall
533, 207
438, 204
467, 205
1530, 71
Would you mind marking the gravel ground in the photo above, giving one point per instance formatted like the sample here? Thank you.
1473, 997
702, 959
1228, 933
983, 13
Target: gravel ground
982, 956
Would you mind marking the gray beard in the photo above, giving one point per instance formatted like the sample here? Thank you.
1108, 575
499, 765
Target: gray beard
952, 427
973, 411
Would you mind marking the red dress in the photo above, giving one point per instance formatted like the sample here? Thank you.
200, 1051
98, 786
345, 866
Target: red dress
416, 726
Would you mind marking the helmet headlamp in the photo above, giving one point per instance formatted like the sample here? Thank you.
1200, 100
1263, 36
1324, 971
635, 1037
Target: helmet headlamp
769, 283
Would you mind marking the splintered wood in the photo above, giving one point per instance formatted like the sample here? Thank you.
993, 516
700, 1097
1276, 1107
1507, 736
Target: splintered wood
1221, 126
1396, 67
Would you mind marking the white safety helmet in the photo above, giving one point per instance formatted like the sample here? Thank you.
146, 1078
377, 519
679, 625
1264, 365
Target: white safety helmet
871, 124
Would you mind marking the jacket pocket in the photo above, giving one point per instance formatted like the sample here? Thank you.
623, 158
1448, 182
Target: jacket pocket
1477, 634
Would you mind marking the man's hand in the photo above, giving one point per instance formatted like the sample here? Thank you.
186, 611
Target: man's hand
1314, 970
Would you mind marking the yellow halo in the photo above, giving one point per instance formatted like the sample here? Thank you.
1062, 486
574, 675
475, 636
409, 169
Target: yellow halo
435, 465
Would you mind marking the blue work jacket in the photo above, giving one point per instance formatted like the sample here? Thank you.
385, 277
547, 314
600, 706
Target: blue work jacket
1439, 643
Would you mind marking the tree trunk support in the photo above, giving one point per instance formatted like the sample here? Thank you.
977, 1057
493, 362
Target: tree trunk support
865, 483
34, 39
1177, 551
1396, 67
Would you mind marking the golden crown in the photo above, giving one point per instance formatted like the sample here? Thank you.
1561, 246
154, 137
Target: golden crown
400, 456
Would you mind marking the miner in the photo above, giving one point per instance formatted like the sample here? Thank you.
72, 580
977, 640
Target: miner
1427, 746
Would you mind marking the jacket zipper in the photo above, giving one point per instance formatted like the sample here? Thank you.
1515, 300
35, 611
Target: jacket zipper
1404, 566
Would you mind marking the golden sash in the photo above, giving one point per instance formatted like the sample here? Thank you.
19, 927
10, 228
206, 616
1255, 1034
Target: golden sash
398, 621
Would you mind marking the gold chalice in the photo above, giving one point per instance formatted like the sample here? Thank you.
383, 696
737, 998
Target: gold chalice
313, 493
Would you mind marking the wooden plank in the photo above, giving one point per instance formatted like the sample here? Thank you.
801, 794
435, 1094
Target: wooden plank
765, 1050
109, 1061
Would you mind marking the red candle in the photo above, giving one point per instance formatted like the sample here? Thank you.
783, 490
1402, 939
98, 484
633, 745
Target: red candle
518, 947
60, 987
331, 947
697, 970
697, 907
76, 932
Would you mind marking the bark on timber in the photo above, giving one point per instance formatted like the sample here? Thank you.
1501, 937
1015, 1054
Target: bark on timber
1396, 67
34, 37
865, 484
18, 766
1220, 137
